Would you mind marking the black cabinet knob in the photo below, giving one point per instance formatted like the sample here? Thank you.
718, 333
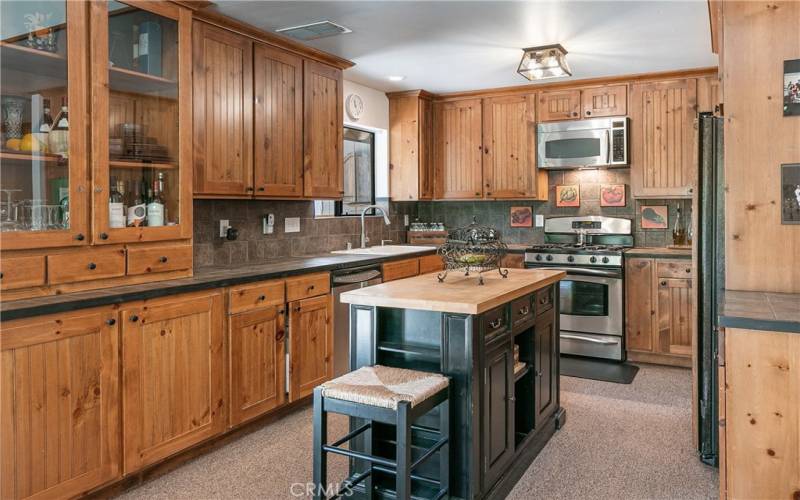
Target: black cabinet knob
134, 318
1, 276
588, 113
111, 322
262, 298
103, 236
163, 259
249, 188
663, 283
261, 188
92, 266
79, 237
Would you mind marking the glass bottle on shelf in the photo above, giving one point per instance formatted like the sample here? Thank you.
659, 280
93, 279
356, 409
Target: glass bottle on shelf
678, 230
64, 203
689, 227
58, 137
137, 208
116, 210
155, 207
46, 123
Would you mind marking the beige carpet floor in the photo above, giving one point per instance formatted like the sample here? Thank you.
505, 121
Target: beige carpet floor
620, 442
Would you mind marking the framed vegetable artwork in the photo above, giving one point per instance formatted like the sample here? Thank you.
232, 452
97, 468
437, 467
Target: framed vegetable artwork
521, 217
568, 196
612, 195
654, 216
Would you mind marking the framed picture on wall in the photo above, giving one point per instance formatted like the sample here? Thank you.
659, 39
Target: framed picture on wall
791, 87
568, 196
521, 217
612, 195
654, 216
790, 193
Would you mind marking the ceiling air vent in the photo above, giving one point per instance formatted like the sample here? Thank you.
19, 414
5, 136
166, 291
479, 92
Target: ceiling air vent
313, 31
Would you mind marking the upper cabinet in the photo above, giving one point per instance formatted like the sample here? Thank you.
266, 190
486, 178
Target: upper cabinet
559, 105
663, 146
411, 147
611, 100
223, 97
458, 149
141, 78
43, 156
323, 139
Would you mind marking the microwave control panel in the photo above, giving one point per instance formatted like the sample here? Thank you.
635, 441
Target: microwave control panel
618, 146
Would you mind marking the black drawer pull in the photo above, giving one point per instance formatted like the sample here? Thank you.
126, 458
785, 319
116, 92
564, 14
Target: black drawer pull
496, 323
111, 322
1, 276
262, 298
544, 300
310, 287
134, 318
525, 310
688, 269
261, 188
79, 237
92, 266
163, 259
663, 283
103, 236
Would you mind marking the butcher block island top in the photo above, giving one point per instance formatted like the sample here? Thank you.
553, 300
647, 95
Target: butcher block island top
456, 294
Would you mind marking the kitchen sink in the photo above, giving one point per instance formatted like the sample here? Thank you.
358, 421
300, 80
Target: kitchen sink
386, 250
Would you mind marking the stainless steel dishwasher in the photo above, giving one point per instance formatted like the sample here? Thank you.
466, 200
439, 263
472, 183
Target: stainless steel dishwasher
343, 281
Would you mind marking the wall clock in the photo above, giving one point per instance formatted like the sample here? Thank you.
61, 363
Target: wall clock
354, 106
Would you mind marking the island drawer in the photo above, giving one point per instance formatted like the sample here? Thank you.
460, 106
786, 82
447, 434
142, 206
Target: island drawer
494, 323
21, 272
522, 310
544, 300
674, 268
253, 296
309, 285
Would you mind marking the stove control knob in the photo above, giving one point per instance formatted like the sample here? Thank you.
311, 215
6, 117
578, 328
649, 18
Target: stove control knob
592, 259
549, 257
605, 260
570, 259
538, 256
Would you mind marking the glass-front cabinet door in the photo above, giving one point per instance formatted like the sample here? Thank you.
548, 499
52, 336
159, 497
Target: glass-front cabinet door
141, 96
43, 139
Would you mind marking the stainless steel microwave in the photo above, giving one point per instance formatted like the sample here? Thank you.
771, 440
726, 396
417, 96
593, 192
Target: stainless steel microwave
598, 142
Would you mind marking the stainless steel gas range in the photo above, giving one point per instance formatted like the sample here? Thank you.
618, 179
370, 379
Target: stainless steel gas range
589, 249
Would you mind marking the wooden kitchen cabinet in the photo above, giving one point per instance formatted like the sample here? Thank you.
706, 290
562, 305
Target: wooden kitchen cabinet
663, 145
659, 310
498, 411
559, 105
509, 146
173, 379
611, 100
411, 147
60, 403
257, 341
223, 107
323, 132
545, 365
278, 122
458, 149
311, 344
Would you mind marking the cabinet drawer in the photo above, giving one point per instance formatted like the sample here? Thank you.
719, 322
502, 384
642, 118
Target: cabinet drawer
674, 268
248, 297
430, 263
544, 300
400, 269
494, 323
309, 285
87, 265
21, 272
159, 260
522, 310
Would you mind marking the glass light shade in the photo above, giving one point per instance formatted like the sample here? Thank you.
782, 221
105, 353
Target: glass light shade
548, 61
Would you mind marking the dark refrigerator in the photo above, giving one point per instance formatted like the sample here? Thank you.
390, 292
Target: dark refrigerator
711, 282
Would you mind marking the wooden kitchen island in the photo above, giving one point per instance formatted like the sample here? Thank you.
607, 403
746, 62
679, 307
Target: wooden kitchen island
500, 417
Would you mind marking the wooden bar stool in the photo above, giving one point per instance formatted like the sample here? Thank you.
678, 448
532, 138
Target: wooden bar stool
392, 396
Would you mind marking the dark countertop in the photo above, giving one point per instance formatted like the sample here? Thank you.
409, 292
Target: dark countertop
778, 312
660, 252
203, 279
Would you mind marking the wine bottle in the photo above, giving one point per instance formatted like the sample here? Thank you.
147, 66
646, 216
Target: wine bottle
678, 231
46, 123
59, 133
116, 211
137, 208
155, 207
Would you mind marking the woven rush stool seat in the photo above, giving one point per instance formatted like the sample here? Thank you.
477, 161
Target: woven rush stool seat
384, 386
394, 396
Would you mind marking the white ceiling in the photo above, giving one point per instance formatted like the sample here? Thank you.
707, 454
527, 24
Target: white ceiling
448, 46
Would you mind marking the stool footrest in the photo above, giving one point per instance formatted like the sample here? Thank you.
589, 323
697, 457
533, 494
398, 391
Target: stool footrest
359, 455
415, 477
349, 483
350, 435
430, 451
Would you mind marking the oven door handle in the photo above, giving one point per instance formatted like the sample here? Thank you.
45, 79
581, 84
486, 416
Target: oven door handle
588, 339
585, 271
608, 147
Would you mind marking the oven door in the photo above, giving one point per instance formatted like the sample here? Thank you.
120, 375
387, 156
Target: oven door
574, 148
591, 301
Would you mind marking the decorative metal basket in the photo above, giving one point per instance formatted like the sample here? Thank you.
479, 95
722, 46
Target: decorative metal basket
473, 249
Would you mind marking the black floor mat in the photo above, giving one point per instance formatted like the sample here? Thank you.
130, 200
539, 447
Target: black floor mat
595, 369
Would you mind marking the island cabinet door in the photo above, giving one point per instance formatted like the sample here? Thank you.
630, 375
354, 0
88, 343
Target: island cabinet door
172, 375
311, 344
59, 420
498, 413
257, 362
546, 368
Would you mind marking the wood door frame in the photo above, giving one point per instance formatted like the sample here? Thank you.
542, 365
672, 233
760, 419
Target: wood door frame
309, 189
201, 32
262, 51
296, 389
100, 130
530, 190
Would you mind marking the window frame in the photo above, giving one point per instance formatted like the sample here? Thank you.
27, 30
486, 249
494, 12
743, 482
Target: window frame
339, 204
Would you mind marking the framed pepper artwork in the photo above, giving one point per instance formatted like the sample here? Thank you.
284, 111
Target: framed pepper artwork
612, 195
521, 217
568, 196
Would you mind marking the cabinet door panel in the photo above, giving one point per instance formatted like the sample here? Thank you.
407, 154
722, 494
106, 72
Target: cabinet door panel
605, 101
563, 105
60, 401
426, 173
173, 376
257, 363
323, 140
639, 306
311, 345
546, 366
674, 302
278, 122
663, 149
498, 413
458, 149
509, 137
223, 99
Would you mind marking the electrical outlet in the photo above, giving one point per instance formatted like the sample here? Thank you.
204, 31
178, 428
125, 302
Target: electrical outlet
224, 224
292, 225
405, 220
268, 224
539, 220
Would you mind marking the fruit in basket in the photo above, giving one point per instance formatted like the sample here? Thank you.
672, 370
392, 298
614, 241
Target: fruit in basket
472, 258
13, 143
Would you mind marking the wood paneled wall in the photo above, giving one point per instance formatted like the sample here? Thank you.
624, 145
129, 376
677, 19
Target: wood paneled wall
760, 253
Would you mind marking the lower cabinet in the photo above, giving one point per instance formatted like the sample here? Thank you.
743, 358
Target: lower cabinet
498, 411
311, 344
172, 375
59, 418
257, 341
545, 366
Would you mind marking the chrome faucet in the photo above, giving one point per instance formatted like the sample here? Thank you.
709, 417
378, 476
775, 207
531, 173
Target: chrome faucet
364, 238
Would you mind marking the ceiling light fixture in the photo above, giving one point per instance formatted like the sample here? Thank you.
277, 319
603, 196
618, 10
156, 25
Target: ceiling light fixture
547, 61
396, 78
